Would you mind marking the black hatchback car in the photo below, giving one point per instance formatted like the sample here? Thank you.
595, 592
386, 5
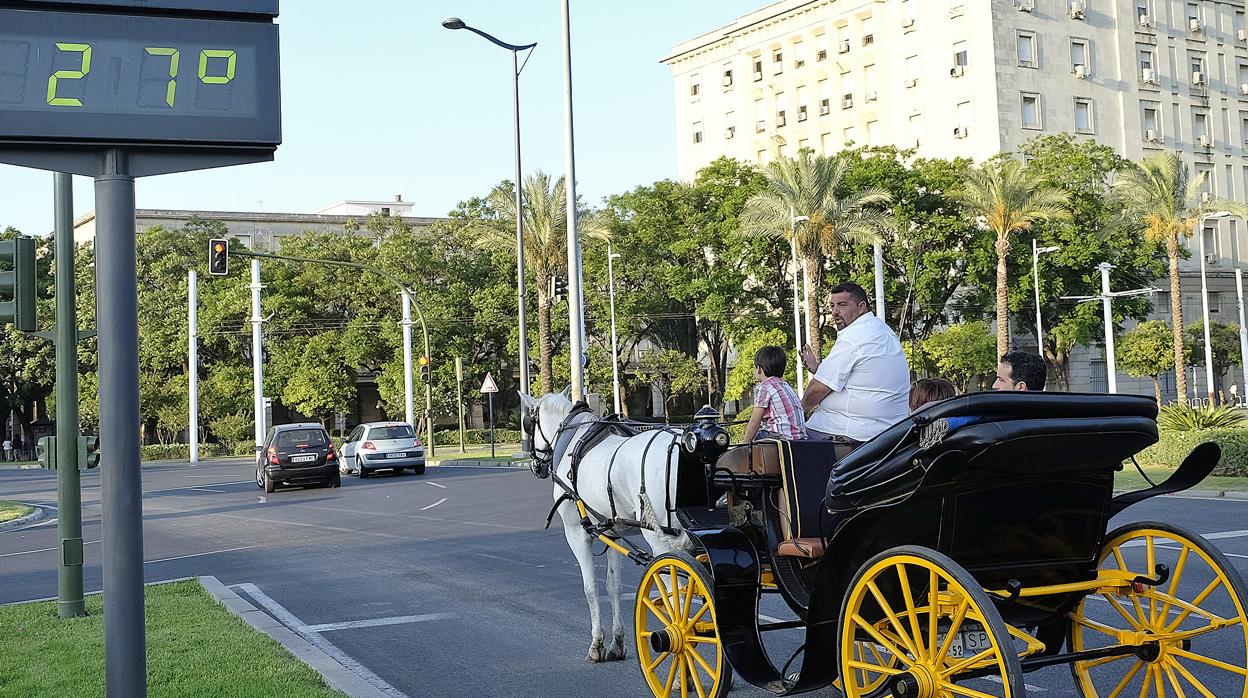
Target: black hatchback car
297, 454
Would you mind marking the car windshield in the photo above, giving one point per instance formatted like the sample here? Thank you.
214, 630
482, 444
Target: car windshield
401, 431
301, 437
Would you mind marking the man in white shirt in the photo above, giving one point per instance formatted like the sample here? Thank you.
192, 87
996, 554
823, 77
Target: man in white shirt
863, 386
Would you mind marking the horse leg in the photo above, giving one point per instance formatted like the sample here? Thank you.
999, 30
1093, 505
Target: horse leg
616, 650
580, 542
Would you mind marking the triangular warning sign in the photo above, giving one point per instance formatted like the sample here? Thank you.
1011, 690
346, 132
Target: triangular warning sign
489, 386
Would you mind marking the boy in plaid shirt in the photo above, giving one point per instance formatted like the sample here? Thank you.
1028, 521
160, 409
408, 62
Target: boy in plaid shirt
777, 408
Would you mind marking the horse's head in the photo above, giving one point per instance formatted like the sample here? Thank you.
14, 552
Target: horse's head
541, 420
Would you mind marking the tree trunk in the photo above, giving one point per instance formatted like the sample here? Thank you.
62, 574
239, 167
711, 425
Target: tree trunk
811, 271
543, 334
1176, 312
1157, 389
1003, 316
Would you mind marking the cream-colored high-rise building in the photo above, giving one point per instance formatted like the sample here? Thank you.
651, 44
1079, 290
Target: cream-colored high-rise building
977, 77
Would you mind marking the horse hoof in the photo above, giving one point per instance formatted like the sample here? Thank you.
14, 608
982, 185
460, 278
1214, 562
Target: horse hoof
615, 654
595, 655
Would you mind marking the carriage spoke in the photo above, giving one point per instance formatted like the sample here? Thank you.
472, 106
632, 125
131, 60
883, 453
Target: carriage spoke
698, 616
911, 611
657, 661
1204, 691
657, 613
665, 598
688, 600
1174, 579
954, 627
1196, 602
964, 691
1157, 681
1093, 663
1148, 680
860, 622
671, 676
1105, 630
1135, 622
1150, 557
693, 678
1174, 681
702, 662
968, 662
1135, 669
933, 603
1178, 651
675, 598
892, 617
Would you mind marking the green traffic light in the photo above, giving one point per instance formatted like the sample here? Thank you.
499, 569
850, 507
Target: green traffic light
19, 282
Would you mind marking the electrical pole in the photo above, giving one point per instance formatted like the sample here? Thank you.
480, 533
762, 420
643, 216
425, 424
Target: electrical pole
879, 279
1243, 331
257, 353
576, 315
409, 408
192, 361
1106, 299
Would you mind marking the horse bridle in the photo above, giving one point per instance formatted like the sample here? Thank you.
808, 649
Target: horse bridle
543, 461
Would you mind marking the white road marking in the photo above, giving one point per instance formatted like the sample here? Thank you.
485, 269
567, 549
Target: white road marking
49, 522
769, 619
374, 622
190, 487
437, 485
289, 620
42, 550
204, 489
210, 552
434, 504
1226, 534
1030, 688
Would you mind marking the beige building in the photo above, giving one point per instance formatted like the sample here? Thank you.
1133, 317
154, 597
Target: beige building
977, 77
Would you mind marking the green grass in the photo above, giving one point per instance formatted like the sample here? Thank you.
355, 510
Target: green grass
10, 510
1129, 479
503, 452
195, 647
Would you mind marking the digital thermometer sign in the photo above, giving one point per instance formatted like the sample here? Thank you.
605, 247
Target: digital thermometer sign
109, 78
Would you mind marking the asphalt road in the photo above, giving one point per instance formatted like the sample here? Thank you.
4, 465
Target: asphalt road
443, 584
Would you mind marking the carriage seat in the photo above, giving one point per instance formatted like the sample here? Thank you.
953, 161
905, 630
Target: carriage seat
757, 458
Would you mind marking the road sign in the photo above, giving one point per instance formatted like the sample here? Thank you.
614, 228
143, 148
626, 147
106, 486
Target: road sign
489, 386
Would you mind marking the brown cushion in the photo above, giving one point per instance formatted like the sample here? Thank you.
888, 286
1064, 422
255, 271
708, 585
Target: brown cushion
811, 548
759, 458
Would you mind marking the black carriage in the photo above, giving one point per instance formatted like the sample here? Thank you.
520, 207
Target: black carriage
948, 556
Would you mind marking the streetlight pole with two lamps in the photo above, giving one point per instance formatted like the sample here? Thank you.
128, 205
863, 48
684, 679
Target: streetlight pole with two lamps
615, 358
1035, 273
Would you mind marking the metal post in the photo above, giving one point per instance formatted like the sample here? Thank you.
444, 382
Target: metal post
192, 362
1243, 332
520, 275
1106, 300
1035, 273
409, 409
879, 280
1204, 305
576, 328
121, 548
257, 353
615, 348
459, 382
68, 490
431, 449
797, 303
491, 397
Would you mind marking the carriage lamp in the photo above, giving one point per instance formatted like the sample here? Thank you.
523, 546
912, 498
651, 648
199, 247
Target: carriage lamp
705, 439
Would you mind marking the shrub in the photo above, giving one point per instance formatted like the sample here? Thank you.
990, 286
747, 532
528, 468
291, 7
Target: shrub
450, 437
181, 451
1175, 445
1181, 417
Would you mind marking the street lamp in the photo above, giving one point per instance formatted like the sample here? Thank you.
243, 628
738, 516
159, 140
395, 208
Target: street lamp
615, 361
1204, 300
1035, 272
517, 68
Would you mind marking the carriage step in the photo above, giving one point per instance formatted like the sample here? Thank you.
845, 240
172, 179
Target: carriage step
811, 548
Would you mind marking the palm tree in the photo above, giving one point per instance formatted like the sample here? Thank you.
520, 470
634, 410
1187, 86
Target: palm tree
1009, 198
1161, 194
545, 245
809, 185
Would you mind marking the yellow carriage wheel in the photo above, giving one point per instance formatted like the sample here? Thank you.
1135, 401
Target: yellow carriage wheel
1193, 624
677, 633
915, 623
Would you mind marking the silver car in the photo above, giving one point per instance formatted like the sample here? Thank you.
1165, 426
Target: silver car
382, 446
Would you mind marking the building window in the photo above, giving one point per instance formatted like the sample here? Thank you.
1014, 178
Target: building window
909, 14
1143, 13
1196, 62
1194, 15
1200, 127
799, 55
873, 132
801, 112
959, 54
727, 80
1151, 124
695, 86
1078, 54
777, 62
780, 119
1083, 115
851, 136
821, 47
697, 132
730, 125
824, 107
1026, 49
1031, 110
913, 71
868, 31
1215, 297
1146, 59
964, 117
916, 129
758, 69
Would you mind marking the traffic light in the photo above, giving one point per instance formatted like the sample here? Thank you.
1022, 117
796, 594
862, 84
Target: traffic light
558, 289
19, 282
88, 452
218, 257
424, 369
45, 449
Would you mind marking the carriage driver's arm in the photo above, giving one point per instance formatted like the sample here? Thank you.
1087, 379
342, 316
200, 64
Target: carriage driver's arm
756, 421
816, 391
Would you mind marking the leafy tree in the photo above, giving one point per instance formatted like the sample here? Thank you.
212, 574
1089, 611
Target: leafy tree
962, 352
27, 363
1224, 340
1146, 351
672, 373
1010, 198
811, 186
1160, 196
741, 378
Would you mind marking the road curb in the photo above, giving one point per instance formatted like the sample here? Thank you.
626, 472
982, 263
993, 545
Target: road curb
470, 462
30, 518
336, 675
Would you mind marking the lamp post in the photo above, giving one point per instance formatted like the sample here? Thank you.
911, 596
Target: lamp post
1204, 301
1035, 272
516, 69
615, 361
794, 219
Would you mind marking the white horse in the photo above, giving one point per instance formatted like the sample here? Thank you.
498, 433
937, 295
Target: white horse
648, 452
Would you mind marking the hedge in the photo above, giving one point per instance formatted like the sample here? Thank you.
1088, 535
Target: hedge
1175, 445
180, 451
450, 437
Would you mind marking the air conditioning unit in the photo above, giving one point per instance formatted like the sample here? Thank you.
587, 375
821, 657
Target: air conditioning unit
1150, 135
957, 71
912, 82
1023, 5
821, 55
872, 95
799, 63
1198, 78
730, 132
801, 114
1146, 21
959, 132
727, 81
907, 22
760, 126
1203, 141
780, 121
1076, 10
843, 47
1205, 197
1211, 258
1242, 35
1148, 76
1081, 72
868, 40
1194, 24
758, 75
824, 109
1243, 88
847, 102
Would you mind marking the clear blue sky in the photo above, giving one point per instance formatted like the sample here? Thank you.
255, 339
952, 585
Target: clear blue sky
379, 99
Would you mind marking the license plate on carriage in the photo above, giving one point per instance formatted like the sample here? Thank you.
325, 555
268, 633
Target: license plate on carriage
302, 459
396, 455
967, 643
